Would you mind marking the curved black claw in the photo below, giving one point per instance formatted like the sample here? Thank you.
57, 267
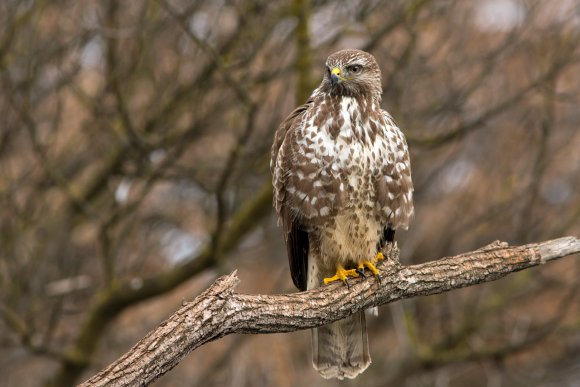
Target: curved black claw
371, 267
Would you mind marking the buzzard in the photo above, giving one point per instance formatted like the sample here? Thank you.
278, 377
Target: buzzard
342, 186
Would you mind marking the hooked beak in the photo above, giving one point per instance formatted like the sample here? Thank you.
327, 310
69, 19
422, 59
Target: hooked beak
335, 76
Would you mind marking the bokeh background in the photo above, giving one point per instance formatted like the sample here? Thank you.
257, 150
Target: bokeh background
134, 151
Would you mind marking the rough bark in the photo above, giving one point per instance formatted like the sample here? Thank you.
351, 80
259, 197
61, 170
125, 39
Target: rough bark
219, 311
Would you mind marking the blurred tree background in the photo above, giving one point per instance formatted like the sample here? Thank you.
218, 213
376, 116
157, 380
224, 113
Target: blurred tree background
134, 150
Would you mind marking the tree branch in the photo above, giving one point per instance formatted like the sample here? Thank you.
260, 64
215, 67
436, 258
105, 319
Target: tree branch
219, 311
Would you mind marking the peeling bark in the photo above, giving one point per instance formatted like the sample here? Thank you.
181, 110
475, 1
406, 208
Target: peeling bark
219, 311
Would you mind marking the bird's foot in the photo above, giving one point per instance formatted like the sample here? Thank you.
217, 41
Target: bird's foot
370, 266
341, 275
367, 265
379, 257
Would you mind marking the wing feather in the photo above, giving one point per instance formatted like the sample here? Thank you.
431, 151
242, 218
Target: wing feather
295, 234
394, 187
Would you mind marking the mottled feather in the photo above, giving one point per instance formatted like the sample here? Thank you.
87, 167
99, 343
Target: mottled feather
342, 186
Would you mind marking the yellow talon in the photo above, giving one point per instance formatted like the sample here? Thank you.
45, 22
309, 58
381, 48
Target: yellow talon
369, 265
341, 274
379, 257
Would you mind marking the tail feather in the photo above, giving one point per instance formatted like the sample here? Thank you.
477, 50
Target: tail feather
340, 350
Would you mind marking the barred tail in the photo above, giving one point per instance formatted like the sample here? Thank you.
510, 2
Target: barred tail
340, 350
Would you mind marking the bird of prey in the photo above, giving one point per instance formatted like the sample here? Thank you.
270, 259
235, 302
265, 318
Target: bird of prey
342, 186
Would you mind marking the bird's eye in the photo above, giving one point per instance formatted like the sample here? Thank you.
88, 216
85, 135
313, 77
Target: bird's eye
355, 69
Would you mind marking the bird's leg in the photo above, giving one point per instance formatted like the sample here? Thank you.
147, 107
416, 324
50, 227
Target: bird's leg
341, 274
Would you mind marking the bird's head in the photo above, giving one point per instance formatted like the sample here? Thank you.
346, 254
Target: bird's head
352, 72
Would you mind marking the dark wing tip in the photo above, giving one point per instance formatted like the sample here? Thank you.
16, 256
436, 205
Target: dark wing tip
297, 244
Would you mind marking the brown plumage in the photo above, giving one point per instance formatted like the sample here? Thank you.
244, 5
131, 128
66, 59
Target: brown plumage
342, 185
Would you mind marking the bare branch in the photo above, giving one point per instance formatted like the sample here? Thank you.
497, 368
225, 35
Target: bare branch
113, 301
219, 311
